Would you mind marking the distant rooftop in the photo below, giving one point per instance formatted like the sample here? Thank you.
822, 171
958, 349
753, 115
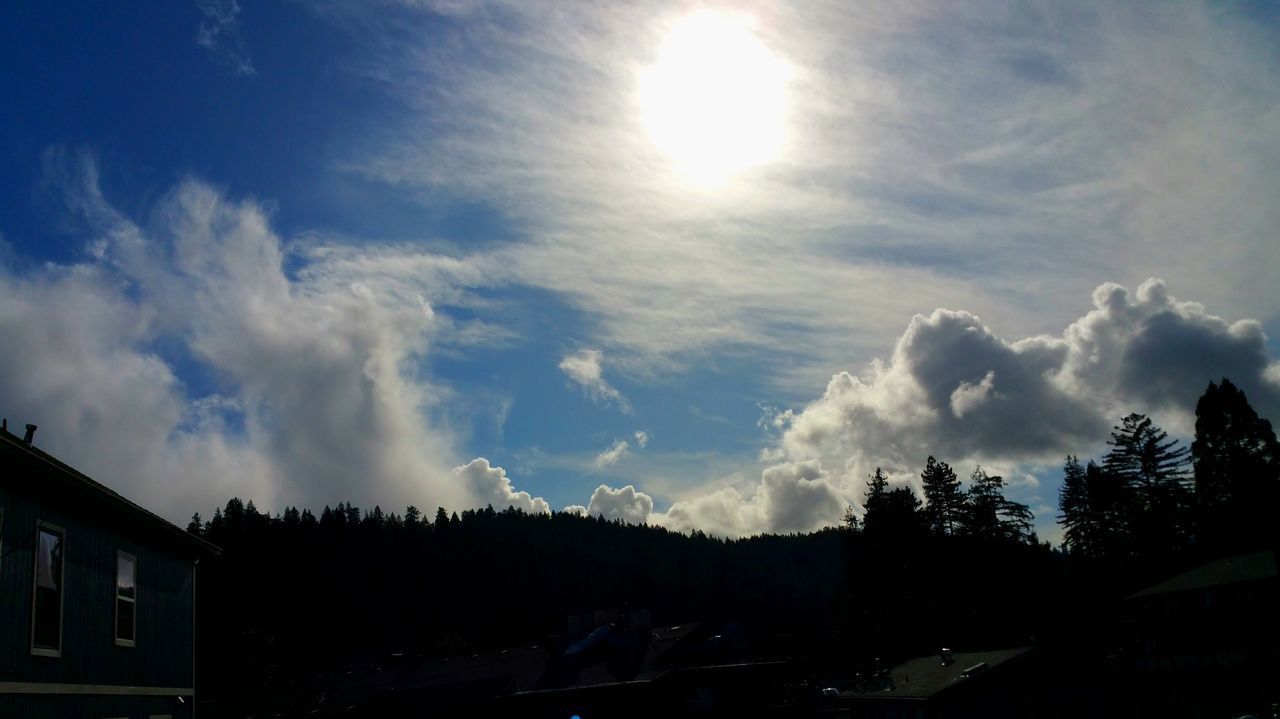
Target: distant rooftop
1220, 572
924, 677
78, 484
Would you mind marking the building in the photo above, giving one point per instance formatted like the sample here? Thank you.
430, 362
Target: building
1207, 641
97, 596
1017, 682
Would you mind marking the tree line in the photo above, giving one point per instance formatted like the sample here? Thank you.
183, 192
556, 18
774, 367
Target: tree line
299, 592
1153, 499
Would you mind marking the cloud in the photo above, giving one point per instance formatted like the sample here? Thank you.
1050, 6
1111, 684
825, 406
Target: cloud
219, 33
611, 456
642, 438
627, 504
955, 389
585, 370
492, 486
790, 497
1058, 155
182, 365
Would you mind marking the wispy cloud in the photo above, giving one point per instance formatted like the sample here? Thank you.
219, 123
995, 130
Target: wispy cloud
585, 369
318, 373
612, 455
938, 154
219, 33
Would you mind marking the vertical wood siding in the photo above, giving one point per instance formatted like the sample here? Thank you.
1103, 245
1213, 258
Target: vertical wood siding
162, 656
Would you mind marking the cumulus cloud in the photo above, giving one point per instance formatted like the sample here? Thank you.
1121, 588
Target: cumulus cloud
790, 497
626, 503
492, 486
612, 455
953, 388
219, 33
642, 438
584, 368
309, 386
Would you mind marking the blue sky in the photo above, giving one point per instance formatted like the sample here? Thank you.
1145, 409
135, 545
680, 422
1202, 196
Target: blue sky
310, 252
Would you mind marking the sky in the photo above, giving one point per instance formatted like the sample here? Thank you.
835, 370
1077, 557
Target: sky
702, 265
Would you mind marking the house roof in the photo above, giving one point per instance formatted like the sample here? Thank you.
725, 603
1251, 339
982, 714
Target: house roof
1228, 570
925, 677
78, 485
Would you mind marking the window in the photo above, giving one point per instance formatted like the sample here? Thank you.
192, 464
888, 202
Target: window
46, 609
126, 598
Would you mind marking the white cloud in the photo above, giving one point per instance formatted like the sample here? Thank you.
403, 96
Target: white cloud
313, 394
955, 389
790, 497
492, 486
1058, 154
642, 438
219, 33
584, 368
612, 455
627, 504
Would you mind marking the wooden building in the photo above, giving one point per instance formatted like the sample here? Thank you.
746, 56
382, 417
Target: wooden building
97, 596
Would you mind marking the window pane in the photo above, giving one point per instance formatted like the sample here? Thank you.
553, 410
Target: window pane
124, 619
49, 561
47, 627
125, 577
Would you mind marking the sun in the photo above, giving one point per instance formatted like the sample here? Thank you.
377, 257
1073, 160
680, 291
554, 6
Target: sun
715, 99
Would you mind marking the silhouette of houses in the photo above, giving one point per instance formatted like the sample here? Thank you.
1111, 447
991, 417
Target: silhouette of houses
96, 596
1017, 682
1207, 640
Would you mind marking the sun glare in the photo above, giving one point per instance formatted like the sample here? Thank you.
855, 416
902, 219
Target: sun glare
715, 100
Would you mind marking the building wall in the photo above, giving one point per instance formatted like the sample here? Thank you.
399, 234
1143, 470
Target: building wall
162, 655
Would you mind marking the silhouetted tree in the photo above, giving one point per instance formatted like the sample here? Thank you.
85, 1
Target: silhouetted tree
1237, 468
877, 488
195, 526
988, 513
1153, 470
944, 500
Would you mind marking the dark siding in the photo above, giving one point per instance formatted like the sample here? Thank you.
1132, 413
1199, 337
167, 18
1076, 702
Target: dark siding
31, 706
162, 656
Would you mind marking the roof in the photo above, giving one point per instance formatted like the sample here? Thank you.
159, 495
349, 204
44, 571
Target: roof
1228, 570
80, 485
925, 677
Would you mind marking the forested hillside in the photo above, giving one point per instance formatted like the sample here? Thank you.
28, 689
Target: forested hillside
298, 592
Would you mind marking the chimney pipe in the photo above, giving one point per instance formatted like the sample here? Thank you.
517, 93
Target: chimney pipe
31, 433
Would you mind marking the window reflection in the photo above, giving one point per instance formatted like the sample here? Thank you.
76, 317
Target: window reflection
46, 630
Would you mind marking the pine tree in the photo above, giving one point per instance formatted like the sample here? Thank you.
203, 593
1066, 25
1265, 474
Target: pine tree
1079, 520
877, 487
988, 513
1237, 468
1153, 470
944, 500
195, 526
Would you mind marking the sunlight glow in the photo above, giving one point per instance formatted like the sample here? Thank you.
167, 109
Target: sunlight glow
715, 100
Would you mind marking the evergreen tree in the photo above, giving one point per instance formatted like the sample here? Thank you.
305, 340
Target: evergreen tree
1153, 470
877, 488
195, 526
1237, 468
944, 500
412, 516
900, 515
442, 519
1077, 513
988, 513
